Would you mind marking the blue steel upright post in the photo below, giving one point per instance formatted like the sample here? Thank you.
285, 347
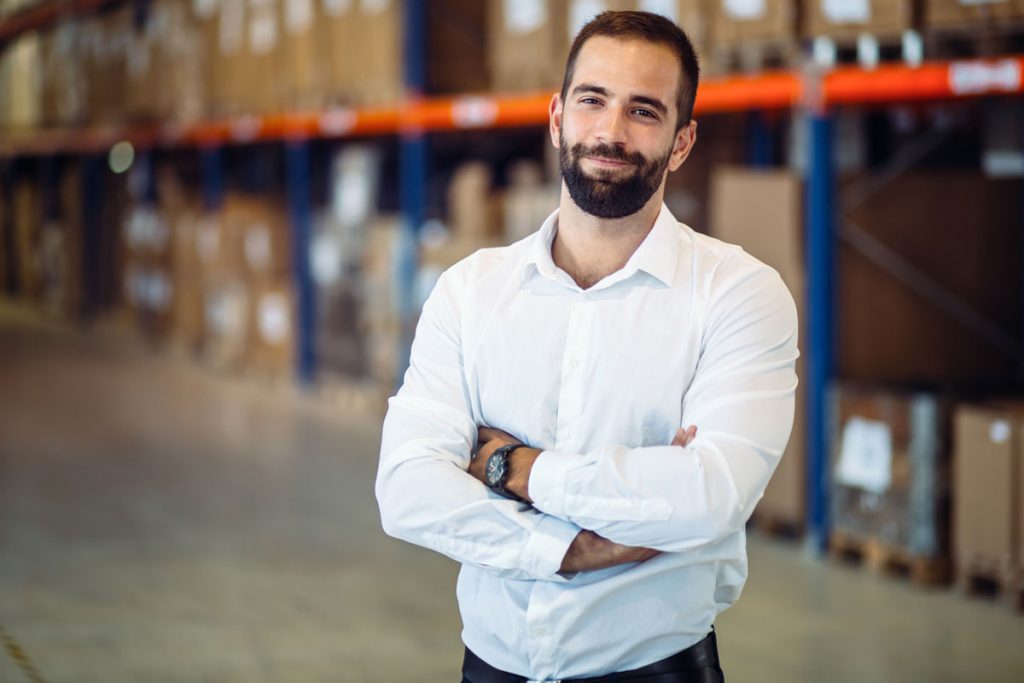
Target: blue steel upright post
820, 255
211, 167
413, 170
297, 162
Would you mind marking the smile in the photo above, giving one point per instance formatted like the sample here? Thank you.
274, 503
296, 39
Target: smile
610, 163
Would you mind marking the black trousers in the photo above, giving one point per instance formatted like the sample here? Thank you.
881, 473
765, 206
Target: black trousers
696, 664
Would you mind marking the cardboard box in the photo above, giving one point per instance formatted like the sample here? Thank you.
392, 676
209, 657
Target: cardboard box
737, 22
378, 42
987, 460
889, 332
337, 36
762, 211
261, 77
143, 76
958, 14
847, 19
271, 347
261, 226
231, 74
457, 35
527, 44
473, 210
64, 78
303, 74
106, 39
21, 66
890, 469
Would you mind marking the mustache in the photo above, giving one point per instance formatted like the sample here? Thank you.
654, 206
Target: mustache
611, 152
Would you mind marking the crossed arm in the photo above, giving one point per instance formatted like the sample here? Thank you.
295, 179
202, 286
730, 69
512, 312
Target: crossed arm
615, 504
588, 551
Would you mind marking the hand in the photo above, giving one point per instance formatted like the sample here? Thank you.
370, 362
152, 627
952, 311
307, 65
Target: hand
489, 440
520, 463
683, 437
589, 551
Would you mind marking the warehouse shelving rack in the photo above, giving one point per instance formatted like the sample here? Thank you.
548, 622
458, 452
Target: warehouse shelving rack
813, 93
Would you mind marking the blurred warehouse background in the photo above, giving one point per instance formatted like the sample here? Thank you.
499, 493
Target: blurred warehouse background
219, 220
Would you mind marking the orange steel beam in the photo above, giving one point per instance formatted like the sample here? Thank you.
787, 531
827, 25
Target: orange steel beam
777, 90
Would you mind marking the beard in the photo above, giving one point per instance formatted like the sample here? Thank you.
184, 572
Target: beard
606, 195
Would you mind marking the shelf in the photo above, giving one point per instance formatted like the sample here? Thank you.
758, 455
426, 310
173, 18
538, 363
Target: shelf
778, 90
45, 14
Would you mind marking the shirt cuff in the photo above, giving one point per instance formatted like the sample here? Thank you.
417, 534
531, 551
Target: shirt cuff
547, 545
547, 482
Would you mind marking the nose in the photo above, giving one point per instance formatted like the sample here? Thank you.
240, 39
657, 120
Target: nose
611, 128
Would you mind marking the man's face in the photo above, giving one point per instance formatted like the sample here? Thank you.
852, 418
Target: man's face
616, 128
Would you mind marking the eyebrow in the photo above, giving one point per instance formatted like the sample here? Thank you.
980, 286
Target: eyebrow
652, 102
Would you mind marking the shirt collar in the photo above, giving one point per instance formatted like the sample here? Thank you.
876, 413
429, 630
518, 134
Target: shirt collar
657, 255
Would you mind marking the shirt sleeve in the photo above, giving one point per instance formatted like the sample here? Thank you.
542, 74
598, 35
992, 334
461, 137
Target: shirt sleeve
425, 494
741, 400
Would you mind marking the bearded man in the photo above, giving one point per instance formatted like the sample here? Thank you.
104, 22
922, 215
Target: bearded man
545, 435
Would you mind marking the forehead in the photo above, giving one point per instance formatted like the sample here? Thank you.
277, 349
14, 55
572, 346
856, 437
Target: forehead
629, 65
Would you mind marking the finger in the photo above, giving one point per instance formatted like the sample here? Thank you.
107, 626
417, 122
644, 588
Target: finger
680, 438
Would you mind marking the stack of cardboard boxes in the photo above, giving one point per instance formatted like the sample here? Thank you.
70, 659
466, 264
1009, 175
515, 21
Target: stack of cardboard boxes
762, 212
530, 40
147, 274
891, 480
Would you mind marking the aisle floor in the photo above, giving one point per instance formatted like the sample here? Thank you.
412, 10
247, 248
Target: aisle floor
162, 523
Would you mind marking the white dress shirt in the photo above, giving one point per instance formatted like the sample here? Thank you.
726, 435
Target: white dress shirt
691, 331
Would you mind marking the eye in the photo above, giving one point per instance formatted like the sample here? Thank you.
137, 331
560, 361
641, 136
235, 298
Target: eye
589, 100
645, 113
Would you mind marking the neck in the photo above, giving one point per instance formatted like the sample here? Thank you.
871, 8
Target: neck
589, 248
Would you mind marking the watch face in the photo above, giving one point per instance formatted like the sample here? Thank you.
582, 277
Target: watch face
496, 468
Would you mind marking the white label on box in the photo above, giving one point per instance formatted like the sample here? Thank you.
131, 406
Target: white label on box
967, 78
375, 6
999, 431
257, 247
336, 8
582, 11
846, 11
866, 457
263, 33
325, 259
204, 9
744, 9
524, 16
666, 8
273, 318
298, 15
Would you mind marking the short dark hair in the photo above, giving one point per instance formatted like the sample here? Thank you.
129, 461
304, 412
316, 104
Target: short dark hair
652, 28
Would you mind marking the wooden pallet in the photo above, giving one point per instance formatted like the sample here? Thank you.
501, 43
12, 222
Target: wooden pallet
974, 41
867, 50
882, 558
977, 578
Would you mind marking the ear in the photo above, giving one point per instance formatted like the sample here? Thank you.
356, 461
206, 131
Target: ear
686, 138
555, 118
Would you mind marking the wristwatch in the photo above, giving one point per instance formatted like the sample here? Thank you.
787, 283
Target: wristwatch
496, 473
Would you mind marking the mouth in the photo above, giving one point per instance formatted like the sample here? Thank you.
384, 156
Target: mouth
608, 163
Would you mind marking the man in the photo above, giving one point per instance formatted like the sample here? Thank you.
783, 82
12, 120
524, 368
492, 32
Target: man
538, 439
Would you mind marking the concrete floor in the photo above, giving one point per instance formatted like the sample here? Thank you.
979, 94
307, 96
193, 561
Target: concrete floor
160, 523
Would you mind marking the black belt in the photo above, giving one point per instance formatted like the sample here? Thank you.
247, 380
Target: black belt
696, 664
